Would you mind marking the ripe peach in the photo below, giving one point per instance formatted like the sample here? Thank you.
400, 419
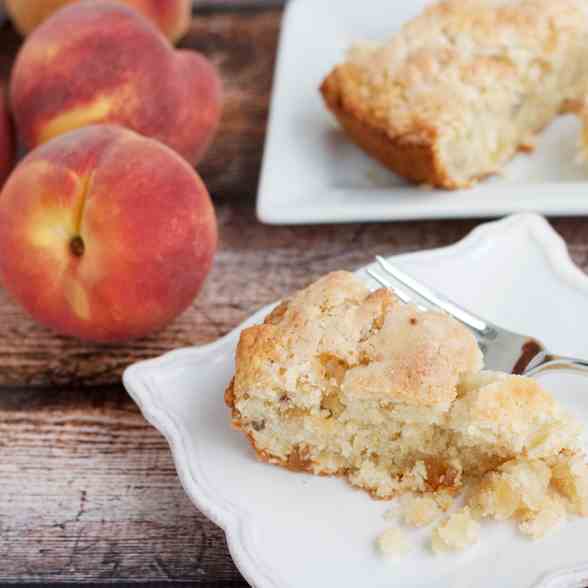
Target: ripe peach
171, 16
104, 234
99, 62
6, 140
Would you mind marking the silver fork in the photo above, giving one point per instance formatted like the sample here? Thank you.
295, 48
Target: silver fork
503, 350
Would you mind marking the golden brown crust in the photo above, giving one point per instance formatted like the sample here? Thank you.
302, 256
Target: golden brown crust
230, 394
276, 315
411, 156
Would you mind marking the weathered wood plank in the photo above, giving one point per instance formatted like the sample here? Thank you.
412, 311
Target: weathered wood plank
88, 491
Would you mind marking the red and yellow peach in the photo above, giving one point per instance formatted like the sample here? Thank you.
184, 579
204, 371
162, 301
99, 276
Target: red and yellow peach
99, 62
105, 234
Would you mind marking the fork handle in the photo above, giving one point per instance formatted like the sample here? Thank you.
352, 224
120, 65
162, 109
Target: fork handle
560, 363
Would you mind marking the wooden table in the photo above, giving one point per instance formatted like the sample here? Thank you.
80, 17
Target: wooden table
88, 490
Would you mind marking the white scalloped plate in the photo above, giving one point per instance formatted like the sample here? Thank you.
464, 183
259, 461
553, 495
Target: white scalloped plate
295, 530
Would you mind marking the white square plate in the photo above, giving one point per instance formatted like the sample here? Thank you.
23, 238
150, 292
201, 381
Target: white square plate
287, 530
313, 174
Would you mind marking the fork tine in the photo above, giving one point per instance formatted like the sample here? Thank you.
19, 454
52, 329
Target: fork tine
434, 298
398, 291
388, 284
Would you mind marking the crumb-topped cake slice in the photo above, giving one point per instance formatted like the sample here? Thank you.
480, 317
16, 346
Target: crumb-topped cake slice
453, 96
341, 380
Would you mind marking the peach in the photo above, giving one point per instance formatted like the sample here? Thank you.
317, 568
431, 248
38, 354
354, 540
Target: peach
99, 62
7, 149
105, 234
171, 16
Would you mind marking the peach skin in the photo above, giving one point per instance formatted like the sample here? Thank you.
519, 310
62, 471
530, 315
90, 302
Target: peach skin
100, 62
105, 235
171, 16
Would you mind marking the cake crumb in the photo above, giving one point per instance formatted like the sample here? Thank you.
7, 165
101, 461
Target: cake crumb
459, 531
544, 521
393, 543
420, 511
444, 500
570, 479
518, 486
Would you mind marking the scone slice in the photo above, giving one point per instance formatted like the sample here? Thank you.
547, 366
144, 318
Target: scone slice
340, 380
462, 87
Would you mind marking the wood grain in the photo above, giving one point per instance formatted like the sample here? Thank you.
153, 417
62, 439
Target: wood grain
88, 490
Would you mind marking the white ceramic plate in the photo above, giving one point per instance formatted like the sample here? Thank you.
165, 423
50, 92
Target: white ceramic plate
313, 174
299, 531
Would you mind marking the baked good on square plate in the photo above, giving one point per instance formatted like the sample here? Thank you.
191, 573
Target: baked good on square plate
453, 96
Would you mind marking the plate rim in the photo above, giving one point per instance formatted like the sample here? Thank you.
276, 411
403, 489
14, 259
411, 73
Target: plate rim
236, 523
